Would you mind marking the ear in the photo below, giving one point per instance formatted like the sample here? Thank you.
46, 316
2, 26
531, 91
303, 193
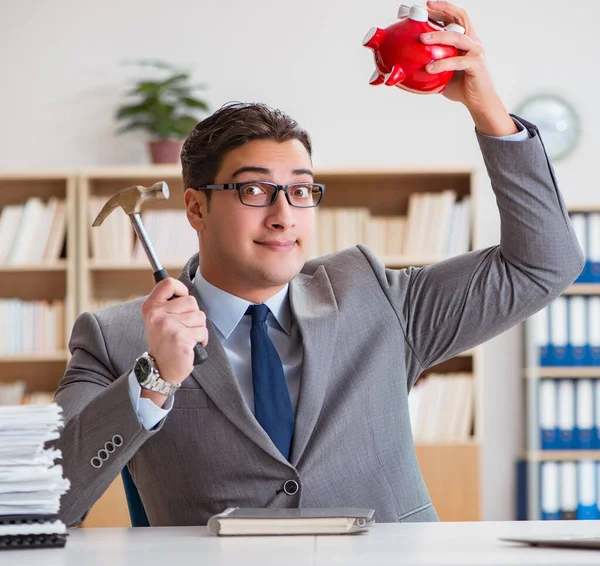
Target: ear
196, 208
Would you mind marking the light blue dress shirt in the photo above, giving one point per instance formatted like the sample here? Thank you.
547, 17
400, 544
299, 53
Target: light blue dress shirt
227, 312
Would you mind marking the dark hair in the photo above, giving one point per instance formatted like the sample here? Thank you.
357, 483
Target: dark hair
232, 126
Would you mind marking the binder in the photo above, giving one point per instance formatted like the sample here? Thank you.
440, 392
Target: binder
540, 322
559, 327
521, 502
596, 442
594, 330
31, 531
566, 414
585, 432
580, 226
568, 491
547, 411
587, 505
577, 354
594, 246
550, 504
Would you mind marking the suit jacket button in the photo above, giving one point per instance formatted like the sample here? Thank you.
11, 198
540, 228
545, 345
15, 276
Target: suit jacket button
291, 487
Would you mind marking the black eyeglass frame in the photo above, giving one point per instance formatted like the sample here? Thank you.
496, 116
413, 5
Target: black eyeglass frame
238, 186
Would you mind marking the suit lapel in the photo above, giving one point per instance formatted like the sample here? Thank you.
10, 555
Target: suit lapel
216, 377
315, 311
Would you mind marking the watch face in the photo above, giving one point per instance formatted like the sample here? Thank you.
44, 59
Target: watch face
142, 369
556, 120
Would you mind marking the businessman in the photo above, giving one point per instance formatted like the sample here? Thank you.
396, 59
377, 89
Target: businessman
303, 399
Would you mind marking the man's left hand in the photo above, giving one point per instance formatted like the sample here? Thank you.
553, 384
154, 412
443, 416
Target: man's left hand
471, 84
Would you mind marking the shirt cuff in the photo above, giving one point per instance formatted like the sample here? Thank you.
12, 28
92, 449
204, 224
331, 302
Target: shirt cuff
521, 135
148, 412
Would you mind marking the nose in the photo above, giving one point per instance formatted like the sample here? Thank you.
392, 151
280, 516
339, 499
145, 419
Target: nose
281, 214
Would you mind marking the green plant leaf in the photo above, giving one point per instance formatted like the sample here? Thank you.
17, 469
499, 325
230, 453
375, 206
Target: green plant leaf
163, 107
132, 110
173, 81
194, 102
185, 124
147, 88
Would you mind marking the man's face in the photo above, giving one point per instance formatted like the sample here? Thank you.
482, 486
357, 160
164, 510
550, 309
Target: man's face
243, 247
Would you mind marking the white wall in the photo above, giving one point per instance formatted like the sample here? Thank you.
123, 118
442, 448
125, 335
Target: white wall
62, 79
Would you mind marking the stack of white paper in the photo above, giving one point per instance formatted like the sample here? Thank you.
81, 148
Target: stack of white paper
30, 482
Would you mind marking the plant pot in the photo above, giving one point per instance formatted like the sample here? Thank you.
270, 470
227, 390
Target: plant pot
165, 151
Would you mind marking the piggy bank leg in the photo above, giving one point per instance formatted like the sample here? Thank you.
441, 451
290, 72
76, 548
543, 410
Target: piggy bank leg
397, 75
376, 78
374, 38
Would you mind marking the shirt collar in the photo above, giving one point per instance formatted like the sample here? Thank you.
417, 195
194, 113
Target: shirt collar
226, 310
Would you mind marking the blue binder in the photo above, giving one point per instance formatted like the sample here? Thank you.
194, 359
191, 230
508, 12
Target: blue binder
587, 506
566, 414
548, 412
549, 491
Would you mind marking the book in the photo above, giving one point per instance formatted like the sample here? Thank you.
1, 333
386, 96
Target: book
316, 521
31, 531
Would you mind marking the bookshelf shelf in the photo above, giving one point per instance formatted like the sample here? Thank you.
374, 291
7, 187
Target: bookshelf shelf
568, 372
563, 455
107, 265
35, 357
39, 267
583, 289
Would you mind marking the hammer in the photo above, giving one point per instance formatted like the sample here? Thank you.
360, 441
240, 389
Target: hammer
131, 201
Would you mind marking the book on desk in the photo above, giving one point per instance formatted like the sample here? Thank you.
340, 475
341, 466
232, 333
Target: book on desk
246, 521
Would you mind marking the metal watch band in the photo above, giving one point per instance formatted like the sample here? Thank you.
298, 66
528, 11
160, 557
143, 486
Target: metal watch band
156, 383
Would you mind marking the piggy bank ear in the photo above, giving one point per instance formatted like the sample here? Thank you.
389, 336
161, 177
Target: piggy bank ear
455, 27
403, 11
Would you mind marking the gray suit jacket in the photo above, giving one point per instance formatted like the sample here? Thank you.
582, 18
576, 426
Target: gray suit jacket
367, 334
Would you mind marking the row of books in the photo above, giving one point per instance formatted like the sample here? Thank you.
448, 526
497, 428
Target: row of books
567, 332
14, 393
170, 233
569, 490
31, 326
569, 414
436, 226
33, 232
587, 230
442, 408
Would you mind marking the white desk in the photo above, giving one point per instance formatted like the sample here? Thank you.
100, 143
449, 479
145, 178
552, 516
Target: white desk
457, 544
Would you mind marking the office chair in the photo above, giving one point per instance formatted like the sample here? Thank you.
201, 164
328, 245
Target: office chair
137, 513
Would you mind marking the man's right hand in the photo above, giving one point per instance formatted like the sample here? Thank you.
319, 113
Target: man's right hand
173, 328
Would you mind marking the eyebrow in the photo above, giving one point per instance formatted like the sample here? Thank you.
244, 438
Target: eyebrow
265, 171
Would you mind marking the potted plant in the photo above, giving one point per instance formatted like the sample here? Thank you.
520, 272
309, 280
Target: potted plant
165, 107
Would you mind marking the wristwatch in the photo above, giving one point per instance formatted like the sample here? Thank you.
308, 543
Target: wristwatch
147, 375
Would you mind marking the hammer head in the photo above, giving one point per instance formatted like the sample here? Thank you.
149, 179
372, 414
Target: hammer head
132, 199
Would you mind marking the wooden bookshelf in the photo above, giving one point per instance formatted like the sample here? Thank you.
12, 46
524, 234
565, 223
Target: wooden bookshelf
533, 374
113, 280
41, 371
562, 455
567, 372
583, 289
451, 471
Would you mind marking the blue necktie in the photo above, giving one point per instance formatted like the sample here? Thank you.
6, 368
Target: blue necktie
272, 404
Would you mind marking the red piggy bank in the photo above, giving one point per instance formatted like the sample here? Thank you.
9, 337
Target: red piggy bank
401, 56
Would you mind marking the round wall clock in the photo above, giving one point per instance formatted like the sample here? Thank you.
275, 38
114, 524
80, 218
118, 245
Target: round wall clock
557, 121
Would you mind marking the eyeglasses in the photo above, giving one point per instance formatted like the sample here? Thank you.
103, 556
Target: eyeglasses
263, 193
